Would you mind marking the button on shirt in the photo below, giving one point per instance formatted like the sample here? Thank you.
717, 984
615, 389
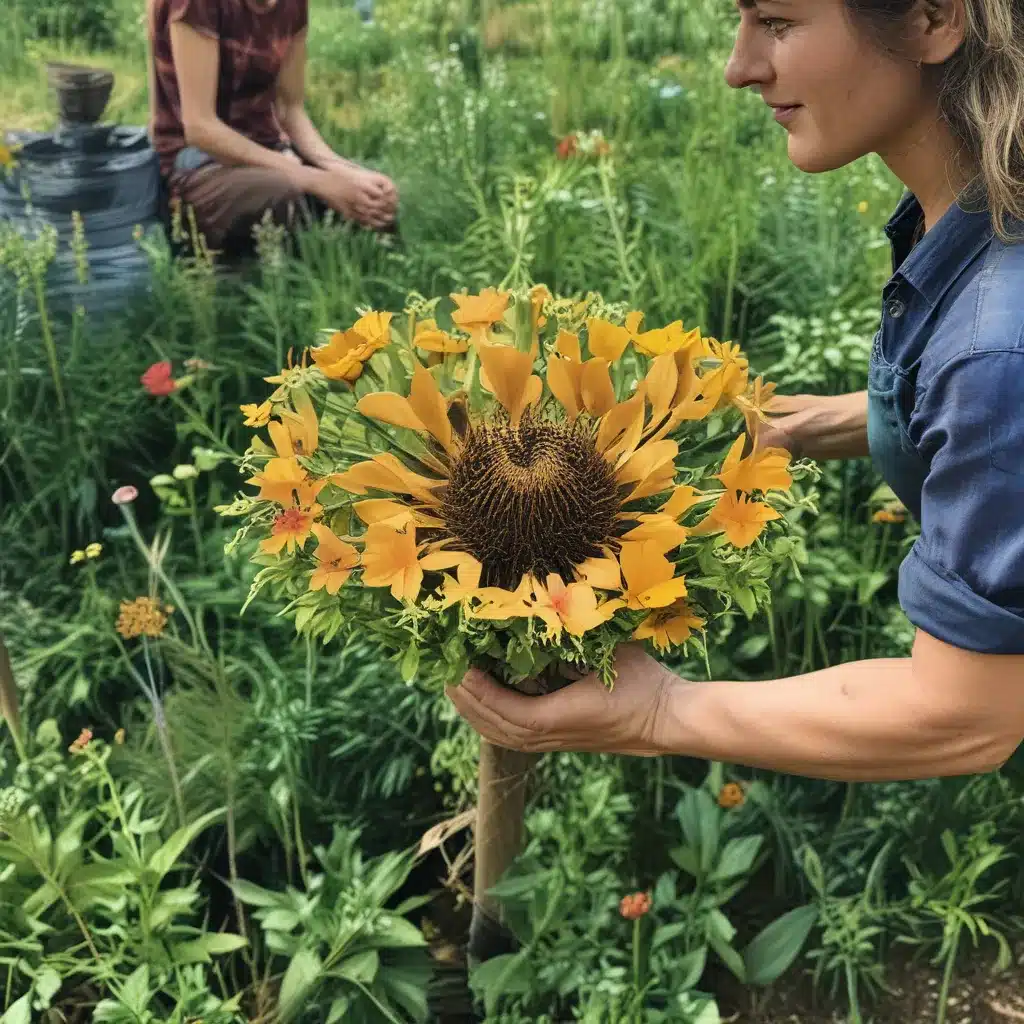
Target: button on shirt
946, 424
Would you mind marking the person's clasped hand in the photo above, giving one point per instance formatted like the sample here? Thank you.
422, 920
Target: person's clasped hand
583, 716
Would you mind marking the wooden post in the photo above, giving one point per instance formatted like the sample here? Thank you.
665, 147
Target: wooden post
497, 838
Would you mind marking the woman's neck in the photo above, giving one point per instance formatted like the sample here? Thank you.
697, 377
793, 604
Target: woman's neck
931, 164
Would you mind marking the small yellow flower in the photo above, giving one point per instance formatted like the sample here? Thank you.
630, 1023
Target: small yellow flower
93, 550
862, 206
7, 158
76, 557
141, 617
889, 515
119, 737
256, 415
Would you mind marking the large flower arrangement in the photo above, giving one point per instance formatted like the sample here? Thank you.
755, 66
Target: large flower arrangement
516, 481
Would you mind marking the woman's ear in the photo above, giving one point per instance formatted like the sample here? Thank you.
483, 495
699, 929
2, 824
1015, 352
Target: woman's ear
938, 29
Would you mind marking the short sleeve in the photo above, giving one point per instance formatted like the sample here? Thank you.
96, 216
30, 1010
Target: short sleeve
202, 15
963, 581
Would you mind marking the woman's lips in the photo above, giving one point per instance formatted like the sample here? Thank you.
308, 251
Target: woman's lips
784, 113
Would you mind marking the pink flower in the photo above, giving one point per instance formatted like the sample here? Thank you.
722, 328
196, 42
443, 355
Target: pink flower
124, 495
157, 380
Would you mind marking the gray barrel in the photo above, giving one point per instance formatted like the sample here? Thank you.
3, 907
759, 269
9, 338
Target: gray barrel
109, 174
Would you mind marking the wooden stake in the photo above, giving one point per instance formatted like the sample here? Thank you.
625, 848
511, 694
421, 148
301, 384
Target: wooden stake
498, 837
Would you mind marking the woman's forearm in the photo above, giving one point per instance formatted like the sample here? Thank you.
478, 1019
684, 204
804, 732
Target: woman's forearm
306, 140
834, 427
233, 149
863, 721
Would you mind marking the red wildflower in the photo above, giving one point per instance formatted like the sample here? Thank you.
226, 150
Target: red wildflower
84, 739
635, 905
566, 147
157, 380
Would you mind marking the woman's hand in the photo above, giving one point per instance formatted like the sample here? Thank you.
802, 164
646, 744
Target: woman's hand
583, 716
357, 194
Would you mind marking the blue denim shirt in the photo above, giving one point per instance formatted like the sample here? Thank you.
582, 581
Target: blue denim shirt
946, 424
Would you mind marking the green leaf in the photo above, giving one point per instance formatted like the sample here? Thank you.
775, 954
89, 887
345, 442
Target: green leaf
728, 956
280, 919
772, 951
19, 1012
135, 993
299, 980
47, 985
203, 949
168, 904
360, 967
508, 974
745, 599
167, 856
339, 1008
410, 662
396, 934
737, 857
253, 895
691, 968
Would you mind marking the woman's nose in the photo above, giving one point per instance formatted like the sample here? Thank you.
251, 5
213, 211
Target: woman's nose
748, 65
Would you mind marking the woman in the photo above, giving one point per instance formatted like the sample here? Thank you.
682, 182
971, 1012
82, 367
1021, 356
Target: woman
936, 88
226, 83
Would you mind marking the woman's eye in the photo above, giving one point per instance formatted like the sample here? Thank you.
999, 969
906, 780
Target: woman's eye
773, 26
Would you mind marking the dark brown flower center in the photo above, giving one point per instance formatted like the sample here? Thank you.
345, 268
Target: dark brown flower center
535, 499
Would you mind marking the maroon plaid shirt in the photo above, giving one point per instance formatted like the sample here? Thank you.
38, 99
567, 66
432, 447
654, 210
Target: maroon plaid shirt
254, 36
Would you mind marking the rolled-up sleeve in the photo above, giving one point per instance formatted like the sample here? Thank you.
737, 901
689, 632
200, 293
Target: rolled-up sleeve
963, 581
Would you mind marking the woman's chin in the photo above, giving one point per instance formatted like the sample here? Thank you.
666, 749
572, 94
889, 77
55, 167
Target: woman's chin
811, 157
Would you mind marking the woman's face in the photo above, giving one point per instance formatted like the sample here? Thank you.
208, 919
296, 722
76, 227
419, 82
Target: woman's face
838, 94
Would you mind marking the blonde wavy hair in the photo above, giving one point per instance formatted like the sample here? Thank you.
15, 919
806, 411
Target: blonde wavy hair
981, 97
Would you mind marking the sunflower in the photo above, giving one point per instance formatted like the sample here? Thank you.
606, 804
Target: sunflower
533, 473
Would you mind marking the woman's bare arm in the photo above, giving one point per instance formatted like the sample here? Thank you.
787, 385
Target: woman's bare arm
197, 62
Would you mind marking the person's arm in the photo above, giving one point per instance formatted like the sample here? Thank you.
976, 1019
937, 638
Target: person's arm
378, 197
819, 427
197, 61
943, 712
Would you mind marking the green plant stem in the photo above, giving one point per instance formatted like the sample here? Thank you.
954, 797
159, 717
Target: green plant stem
851, 993
197, 532
48, 342
636, 954
947, 979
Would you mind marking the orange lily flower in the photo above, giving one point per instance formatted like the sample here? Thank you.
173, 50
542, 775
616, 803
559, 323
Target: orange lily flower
740, 518
296, 433
669, 627
336, 559
765, 469
607, 340
579, 385
573, 607
375, 328
291, 529
385, 472
476, 313
650, 577
510, 373
286, 482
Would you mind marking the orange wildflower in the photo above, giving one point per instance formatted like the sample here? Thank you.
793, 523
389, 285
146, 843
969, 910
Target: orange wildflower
430, 339
730, 796
335, 560
764, 469
635, 905
476, 313
740, 518
291, 529
669, 627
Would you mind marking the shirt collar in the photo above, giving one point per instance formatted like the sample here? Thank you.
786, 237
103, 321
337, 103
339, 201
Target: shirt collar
937, 260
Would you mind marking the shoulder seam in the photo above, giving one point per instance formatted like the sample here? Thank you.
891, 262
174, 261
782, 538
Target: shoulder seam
983, 286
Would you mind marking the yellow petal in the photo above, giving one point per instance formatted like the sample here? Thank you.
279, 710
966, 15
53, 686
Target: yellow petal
375, 328
606, 340
596, 387
663, 594
509, 372
386, 473
384, 510
661, 530
429, 405
389, 407
390, 560
564, 380
625, 417
662, 379
643, 567
646, 460
567, 345
603, 573
281, 439
683, 499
